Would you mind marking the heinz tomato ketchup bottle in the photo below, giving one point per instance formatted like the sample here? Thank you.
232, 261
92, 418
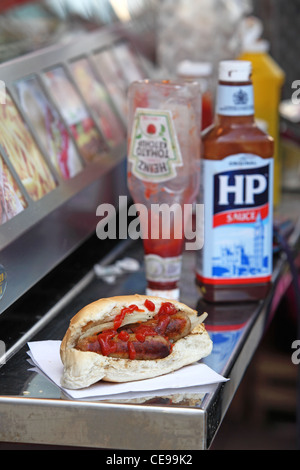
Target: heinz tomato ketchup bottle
235, 263
163, 173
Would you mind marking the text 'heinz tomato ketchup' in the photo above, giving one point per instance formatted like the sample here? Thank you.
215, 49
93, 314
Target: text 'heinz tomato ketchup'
237, 192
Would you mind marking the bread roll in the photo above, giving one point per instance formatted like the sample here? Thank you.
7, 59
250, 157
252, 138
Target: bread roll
83, 368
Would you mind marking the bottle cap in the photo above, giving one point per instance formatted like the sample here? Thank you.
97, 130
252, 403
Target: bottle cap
235, 70
262, 45
187, 68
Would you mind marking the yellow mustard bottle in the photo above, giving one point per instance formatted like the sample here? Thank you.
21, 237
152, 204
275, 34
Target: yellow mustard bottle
267, 79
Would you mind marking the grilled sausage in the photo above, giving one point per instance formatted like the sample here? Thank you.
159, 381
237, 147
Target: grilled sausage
153, 347
126, 347
148, 340
174, 327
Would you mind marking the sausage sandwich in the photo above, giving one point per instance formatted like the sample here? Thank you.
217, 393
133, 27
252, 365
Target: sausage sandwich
133, 337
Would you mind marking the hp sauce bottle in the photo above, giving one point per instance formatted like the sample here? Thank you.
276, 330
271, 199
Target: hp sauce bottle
235, 263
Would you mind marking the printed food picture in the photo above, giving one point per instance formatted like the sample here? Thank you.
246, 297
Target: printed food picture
99, 101
113, 79
49, 128
124, 55
23, 152
75, 114
12, 201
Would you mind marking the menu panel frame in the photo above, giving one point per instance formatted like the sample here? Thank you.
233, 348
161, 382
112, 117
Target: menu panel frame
29, 132
34, 65
134, 59
108, 102
46, 100
85, 109
115, 82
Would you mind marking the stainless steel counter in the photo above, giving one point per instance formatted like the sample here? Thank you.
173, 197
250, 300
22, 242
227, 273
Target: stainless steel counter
33, 410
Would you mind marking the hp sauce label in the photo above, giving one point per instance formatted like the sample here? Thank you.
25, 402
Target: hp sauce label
237, 197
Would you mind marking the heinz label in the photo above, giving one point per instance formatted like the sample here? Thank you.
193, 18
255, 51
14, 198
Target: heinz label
160, 269
238, 226
154, 149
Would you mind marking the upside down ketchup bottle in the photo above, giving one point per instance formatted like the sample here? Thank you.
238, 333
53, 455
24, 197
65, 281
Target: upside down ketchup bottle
163, 174
235, 263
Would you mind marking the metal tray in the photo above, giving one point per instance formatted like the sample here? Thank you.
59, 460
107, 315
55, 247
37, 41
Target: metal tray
34, 410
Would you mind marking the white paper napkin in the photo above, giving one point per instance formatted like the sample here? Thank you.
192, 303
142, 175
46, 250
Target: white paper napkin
194, 378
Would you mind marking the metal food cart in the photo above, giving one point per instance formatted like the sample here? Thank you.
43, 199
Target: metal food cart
48, 256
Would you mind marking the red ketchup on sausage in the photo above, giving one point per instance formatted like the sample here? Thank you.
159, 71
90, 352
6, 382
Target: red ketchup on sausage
105, 338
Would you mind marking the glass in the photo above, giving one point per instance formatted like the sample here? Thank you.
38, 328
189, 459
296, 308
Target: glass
163, 173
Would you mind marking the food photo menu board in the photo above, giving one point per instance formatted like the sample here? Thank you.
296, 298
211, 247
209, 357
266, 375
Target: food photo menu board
49, 127
113, 78
64, 117
12, 201
23, 152
98, 99
75, 114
